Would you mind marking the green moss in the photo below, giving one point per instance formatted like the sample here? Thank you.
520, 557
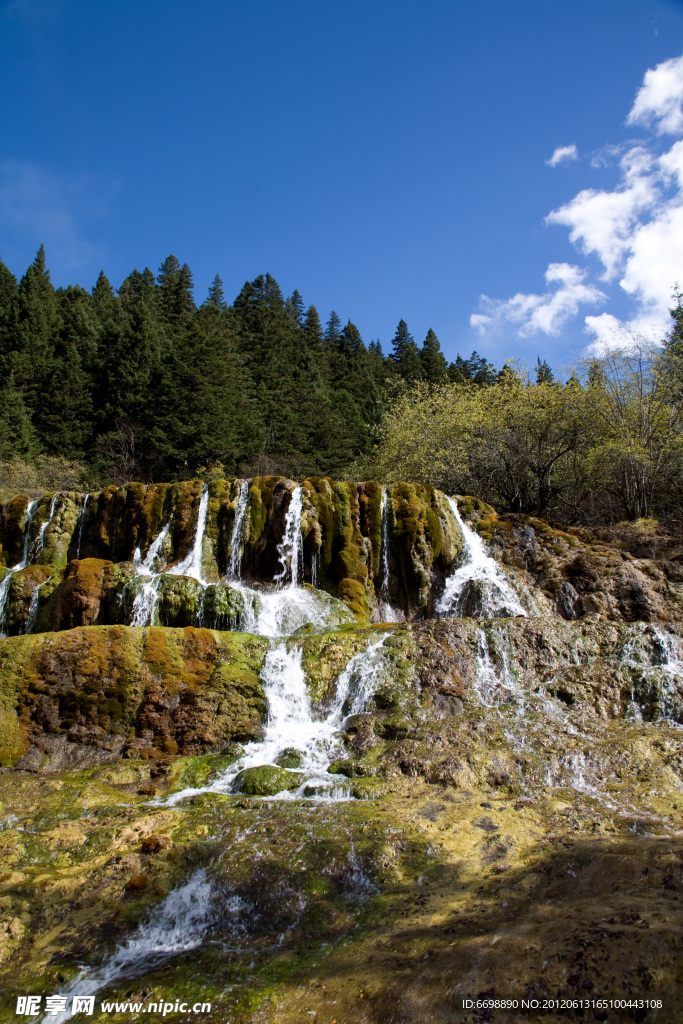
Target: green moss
267, 781
12, 526
179, 601
352, 593
195, 772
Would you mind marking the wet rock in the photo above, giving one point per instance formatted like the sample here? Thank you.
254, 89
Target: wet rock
155, 843
290, 758
267, 780
567, 601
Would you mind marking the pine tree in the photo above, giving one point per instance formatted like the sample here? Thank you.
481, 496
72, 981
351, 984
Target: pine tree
17, 437
295, 308
176, 302
673, 343
406, 355
434, 365
333, 331
216, 296
38, 326
544, 375
313, 332
475, 370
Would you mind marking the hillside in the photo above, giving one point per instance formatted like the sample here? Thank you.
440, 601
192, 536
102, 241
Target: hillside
337, 751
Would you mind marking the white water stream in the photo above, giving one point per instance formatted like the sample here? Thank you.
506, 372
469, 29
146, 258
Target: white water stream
292, 723
478, 587
191, 565
7, 579
385, 612
144, 605
238, 531
290, 550
81, 521
39, 543
178, 924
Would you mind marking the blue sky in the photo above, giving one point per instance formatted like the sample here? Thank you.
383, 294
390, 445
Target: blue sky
387, 159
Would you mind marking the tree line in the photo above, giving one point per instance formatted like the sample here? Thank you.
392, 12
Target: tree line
603, 446
141, 383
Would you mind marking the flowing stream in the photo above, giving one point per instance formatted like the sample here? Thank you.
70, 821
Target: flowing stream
7, 579
477, 588
178, 924
293, 725
385, 612
238, 531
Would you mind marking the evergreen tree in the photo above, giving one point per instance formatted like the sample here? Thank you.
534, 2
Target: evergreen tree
175, 292
406, 355
295, 308
104, 300
8, 289
434, 365
313, 332
333, 331
475, 370
17, 436
38, 325
216, 296
139, 287
673, 343
544, 375
204, 410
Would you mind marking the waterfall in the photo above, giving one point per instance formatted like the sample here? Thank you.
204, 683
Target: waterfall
493, 686
178, 924
144, 605
39, 542
81, 520
385, 612
384, 554
192, 564
477, 588
238, 530
7, 579
290, 551
32, 616
292, 724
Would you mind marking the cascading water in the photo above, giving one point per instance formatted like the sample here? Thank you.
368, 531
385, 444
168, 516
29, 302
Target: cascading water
290, 551
39, 543
5, 584
477, 588
385, 612
144, 605
494, 686
192, 564
238, 531
178, 924
32, 616
81, 521
291, 722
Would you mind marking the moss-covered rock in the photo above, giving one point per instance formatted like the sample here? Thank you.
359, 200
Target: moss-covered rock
12, 529
266, 780
195, 772
89, 695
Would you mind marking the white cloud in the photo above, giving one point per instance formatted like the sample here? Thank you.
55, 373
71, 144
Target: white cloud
563, 155
660, 98
53, 208
635, 230
546, 313
602, 222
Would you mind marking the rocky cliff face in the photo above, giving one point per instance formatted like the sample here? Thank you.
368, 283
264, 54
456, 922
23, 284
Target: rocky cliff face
228, 777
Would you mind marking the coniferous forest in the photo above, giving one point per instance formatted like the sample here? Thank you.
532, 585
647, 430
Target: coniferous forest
141, 383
